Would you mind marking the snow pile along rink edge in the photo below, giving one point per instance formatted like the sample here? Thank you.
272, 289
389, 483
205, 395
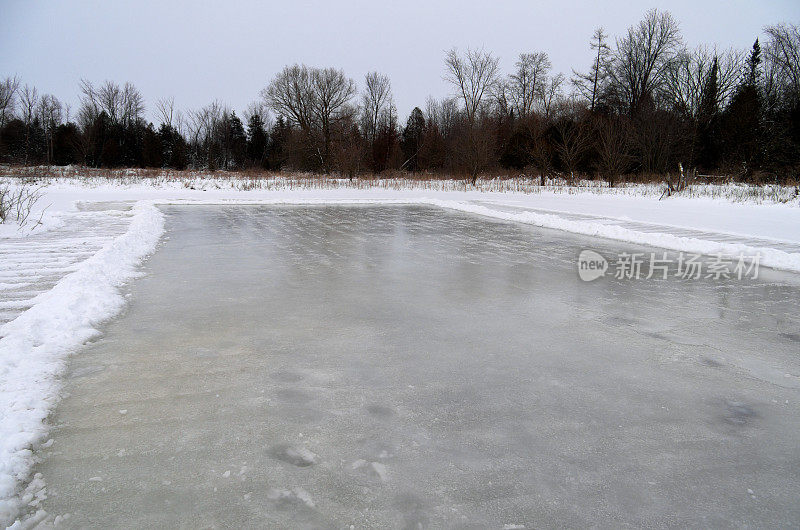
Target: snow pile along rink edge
768, 257
35, 345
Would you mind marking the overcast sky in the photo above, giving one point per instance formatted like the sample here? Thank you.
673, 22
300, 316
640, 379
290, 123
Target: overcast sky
228, 50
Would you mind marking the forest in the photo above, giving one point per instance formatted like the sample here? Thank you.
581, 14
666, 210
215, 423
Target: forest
646, 106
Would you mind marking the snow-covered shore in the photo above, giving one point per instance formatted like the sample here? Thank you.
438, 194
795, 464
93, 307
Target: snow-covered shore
34, 345
713, 219
729, 208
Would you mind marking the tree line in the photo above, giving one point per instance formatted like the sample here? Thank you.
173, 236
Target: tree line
646, 104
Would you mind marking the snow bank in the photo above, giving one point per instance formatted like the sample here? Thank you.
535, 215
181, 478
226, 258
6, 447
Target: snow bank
34, 346
769, 257
744, 215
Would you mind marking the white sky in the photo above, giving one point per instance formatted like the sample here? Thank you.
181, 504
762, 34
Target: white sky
228, 50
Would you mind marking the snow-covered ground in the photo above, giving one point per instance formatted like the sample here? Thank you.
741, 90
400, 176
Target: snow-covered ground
714, 220
59, 279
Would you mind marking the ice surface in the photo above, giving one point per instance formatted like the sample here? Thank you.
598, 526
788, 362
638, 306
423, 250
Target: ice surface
405, 366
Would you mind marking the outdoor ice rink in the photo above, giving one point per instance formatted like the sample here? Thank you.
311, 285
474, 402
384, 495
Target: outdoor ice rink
406, 366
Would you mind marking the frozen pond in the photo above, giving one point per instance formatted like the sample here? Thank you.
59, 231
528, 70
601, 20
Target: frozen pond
410, 366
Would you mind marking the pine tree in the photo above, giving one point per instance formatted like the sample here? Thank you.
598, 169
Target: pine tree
411, 140
66, 140
710, 96
753, 62
236, 142
744, 118
707, 128
278, 139
591, 84
256, 141
152, 154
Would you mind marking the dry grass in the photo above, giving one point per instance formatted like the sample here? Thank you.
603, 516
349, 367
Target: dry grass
639, 185
17, 202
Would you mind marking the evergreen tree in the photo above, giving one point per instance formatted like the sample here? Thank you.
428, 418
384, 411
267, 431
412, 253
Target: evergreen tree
152, 154
710, 95
237, 145
179, 157
96, 138
411, 140
743, 118
257, 141
753, 61
12, 140
66, 141
707, 122
167, 136
36, 143
278, 141
174, 149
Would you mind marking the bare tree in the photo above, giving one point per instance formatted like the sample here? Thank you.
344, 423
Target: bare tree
613, 145
110, 97
166, 110
29, 100
687, 76
8, 91
641, 57
540, 148
590, 85
442, 113
90, 106
291, 95
729, 72
378, 119
123, 105
503, 101
697, 84
377, 97
347, 151
314, 99
574, 136
474, 76
203, 125
656, 134
332, 92
51, 115
552, 93
132, 105
782, 59
51, 110
528, 83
